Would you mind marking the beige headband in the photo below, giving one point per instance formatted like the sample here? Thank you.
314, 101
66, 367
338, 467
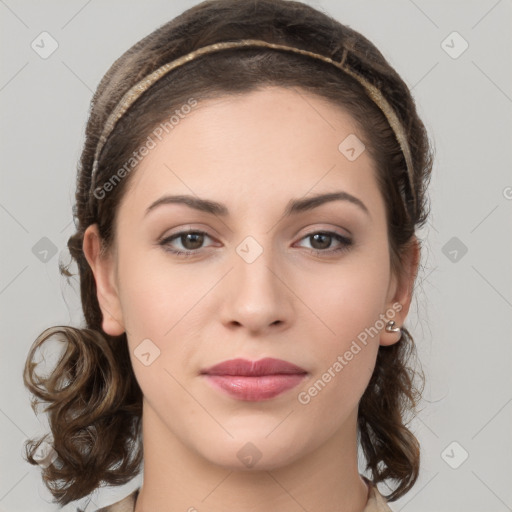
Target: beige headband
138, 89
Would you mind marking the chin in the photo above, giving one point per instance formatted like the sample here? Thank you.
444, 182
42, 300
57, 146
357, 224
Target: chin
253, 453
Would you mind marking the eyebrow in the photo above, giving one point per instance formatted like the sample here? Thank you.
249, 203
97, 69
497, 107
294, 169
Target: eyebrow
294, 206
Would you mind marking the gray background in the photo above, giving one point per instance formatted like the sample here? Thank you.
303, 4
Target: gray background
461, 318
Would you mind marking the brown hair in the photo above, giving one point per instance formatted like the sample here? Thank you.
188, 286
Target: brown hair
95, 403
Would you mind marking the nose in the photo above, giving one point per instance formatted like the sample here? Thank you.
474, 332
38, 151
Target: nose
256, 295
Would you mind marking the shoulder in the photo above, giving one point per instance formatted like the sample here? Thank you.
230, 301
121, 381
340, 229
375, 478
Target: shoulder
376, 502
127, 504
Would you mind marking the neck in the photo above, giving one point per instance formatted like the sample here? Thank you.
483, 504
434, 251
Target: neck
178, 478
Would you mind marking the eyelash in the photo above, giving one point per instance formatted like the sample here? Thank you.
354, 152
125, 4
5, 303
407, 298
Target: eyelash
346, 243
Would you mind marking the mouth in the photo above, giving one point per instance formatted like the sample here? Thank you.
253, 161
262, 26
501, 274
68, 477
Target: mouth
254, 380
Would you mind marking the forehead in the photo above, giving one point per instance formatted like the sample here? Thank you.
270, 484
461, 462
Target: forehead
272, 142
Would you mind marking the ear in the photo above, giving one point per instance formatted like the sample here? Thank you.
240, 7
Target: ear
400, 292
103, 269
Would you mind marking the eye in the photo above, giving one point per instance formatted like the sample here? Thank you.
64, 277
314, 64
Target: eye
321, 242
191, 241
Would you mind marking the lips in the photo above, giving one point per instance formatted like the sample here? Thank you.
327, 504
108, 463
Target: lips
254, 380
243, 367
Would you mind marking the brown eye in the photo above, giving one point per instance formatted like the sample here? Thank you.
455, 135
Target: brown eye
321, 242
191, 242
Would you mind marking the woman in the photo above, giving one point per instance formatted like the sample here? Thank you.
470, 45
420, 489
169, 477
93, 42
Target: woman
251, 183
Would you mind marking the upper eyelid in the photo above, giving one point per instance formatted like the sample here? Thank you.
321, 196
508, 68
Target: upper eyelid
185, 232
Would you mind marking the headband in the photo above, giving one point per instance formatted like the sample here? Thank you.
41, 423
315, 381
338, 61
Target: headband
143, 85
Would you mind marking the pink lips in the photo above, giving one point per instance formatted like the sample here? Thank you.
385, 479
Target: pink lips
254, 380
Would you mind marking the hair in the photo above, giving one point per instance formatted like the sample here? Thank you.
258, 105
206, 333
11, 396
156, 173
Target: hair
94, 401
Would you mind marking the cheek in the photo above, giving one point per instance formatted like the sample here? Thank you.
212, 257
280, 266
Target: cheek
346, 351
349, 307
156, 294
349, 297
162, 305
155, 302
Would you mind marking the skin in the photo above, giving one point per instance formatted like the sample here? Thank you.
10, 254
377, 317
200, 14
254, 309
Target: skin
253, 153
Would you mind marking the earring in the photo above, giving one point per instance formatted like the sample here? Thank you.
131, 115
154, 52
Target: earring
390, 327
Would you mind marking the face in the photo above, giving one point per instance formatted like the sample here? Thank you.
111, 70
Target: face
268, 272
